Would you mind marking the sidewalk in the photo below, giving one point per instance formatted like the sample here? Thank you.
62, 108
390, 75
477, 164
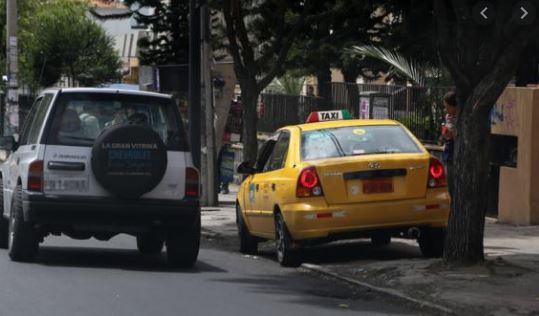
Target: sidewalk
507, 284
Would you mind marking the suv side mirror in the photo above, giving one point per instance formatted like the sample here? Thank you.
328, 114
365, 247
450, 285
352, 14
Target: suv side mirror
8, 143
246, 168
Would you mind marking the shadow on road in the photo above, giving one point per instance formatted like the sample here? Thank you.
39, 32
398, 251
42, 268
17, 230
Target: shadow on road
113, 258
351, 250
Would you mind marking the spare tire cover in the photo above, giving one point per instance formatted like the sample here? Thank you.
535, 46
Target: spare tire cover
129, 160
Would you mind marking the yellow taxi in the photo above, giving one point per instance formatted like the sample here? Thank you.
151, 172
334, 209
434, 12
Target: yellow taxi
334, 178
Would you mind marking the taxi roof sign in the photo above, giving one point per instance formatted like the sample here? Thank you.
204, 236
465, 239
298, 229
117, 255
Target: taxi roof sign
321, 116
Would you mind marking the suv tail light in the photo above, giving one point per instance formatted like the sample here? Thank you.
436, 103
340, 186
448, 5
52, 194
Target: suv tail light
308, 183
191, 182
437, 177
35, 176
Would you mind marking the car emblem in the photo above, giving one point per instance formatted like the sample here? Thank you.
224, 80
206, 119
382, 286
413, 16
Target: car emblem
374, 165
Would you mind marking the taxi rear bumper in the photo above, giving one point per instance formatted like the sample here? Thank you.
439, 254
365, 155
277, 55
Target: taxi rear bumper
315, 219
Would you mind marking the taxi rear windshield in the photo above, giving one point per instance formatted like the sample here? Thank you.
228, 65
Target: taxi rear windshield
356, 141
79, 118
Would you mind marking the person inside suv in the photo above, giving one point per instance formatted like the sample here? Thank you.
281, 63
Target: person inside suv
70, 126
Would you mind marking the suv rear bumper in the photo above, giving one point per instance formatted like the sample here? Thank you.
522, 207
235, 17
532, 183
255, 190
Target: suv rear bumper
110, 213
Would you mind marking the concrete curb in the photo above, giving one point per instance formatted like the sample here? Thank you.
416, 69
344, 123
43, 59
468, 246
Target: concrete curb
420, 303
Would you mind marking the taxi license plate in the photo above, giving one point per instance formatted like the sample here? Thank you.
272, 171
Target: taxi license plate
373, 186
66, 185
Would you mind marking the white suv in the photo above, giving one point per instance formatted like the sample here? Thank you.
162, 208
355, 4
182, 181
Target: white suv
97, 163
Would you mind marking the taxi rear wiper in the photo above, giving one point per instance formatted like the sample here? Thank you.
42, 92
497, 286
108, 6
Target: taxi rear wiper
336, 143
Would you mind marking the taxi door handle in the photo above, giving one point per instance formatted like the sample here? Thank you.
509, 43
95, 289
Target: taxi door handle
273, 186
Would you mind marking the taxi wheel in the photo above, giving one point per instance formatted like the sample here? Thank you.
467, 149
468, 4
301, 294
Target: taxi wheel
183, 246
23, 241
248, 243
149, 244
431, 242
286, 256
381, 239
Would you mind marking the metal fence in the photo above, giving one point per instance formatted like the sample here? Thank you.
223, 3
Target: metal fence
418, 108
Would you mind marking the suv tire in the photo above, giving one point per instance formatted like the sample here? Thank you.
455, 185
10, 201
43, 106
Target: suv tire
183, 246
4, 223
248, 243
23, 239
149, 244
286, 256
431, 242
139, 170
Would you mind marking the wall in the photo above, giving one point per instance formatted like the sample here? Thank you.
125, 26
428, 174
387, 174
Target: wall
517, 114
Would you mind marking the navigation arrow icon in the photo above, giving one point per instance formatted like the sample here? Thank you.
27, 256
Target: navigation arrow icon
484, 12
525, 13
484, 15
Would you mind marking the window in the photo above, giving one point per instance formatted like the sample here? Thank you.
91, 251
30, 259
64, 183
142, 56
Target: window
277, 158
28, 122
39, 119
81, 117
263, 154
35, 119
355, 141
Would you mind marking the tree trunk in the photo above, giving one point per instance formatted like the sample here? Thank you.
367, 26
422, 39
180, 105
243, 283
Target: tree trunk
352, 91
250, 143
323, 77
464, 243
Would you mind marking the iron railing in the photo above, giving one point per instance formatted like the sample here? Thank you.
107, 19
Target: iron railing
418, 108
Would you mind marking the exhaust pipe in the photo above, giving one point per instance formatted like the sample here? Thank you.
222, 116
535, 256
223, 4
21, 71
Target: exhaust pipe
413, 232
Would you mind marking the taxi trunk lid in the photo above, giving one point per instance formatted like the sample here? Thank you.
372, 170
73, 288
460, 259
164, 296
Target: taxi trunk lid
373, 178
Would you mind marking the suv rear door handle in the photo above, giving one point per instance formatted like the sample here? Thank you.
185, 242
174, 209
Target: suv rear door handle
66, 165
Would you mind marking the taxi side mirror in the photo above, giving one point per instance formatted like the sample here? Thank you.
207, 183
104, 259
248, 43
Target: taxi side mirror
246, 168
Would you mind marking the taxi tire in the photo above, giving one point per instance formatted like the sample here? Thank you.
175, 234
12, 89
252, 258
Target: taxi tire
4, 223
381, 239
183, 246
286, 256
248, 243
431, 242
24, 242
149, 244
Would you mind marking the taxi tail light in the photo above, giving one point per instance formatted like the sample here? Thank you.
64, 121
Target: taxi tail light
191, 183
35, 176
308, 183
437, 177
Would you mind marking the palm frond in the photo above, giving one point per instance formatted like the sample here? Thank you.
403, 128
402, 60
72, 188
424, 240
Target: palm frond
407, 68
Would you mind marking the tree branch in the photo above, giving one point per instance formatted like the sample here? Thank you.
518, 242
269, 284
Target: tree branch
283, 52
446, 46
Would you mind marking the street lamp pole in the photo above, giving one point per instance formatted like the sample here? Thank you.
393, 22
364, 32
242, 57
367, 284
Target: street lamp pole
194, 81
11, 117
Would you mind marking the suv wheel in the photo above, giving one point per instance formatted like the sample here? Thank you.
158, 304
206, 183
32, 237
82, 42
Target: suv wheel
183, 245
248, 243
4, 223
23, 239
286, 256
149, 244
431, 242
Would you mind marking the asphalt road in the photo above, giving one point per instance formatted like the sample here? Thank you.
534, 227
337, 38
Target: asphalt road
74, 277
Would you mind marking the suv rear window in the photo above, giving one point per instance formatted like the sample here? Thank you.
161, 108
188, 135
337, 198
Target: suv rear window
355, 141
79, 118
